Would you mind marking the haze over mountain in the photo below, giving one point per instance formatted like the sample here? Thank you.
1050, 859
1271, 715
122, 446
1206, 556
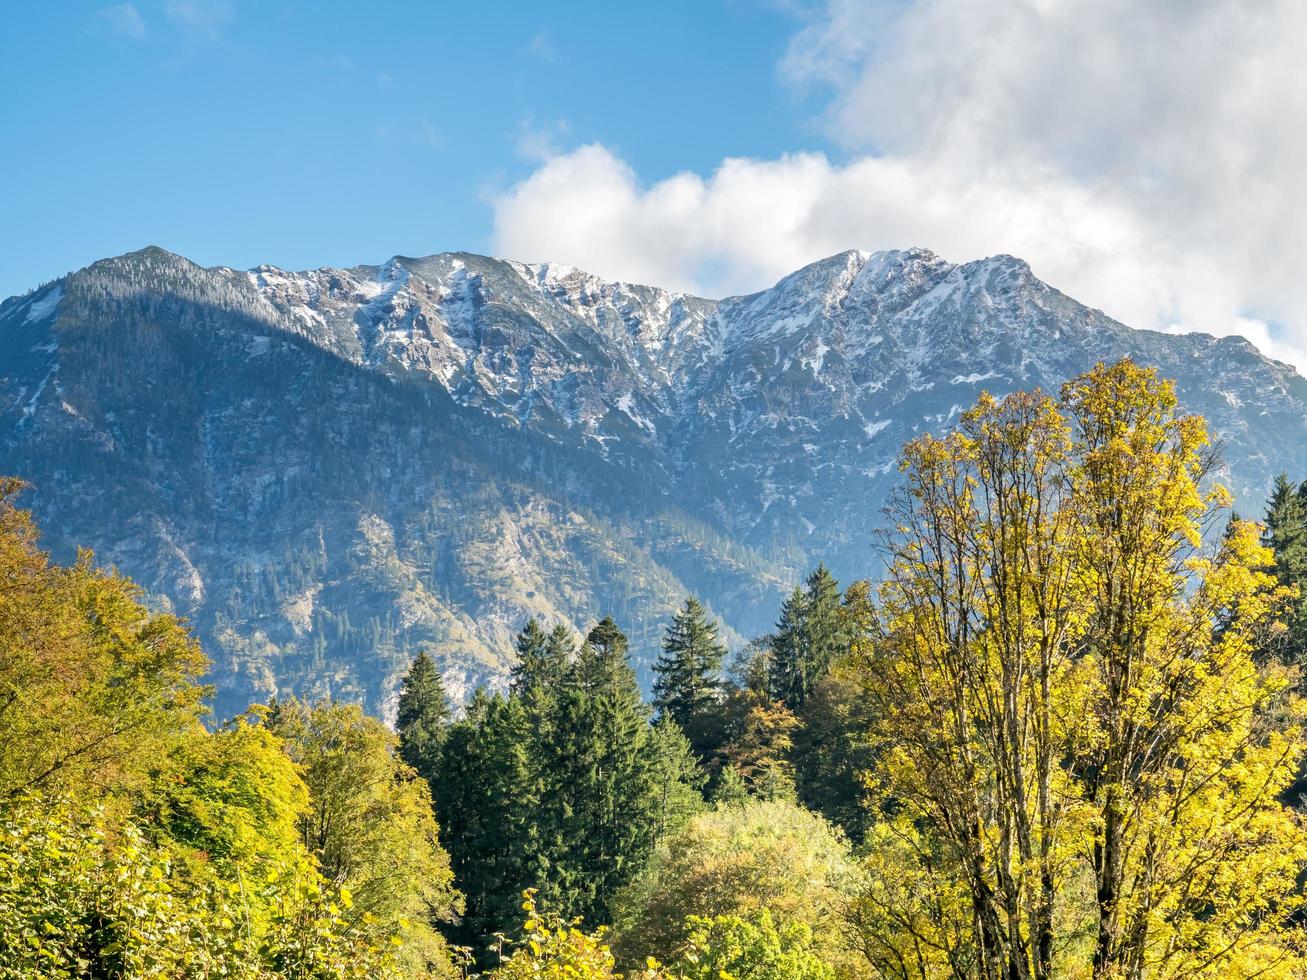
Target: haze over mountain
327, 470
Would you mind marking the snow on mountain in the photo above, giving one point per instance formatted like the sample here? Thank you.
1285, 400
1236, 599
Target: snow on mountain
327, 469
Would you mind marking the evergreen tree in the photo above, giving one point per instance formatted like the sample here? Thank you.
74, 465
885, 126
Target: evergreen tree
541, 670
530, 644
687, 681
730, 789
785, 663
490, 813
424, 716
810, 636
678, 780
1286, 535
603, 777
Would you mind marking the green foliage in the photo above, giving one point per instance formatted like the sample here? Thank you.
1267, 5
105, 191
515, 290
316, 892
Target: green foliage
601, 774
95, 690
1286, 536
488, 798
736, 861
752, 948
811, 635
678, 781
833, 752
687, 675
423, 717
233, 797
370, 825
565, 783
135, 844
86, 896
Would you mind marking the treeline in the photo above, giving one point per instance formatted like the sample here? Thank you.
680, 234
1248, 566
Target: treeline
570, 782
1060, 739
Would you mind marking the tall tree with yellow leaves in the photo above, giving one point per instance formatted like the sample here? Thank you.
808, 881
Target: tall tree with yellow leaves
1082, 754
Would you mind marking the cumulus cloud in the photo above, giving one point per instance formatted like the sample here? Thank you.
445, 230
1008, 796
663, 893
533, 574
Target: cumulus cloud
1145, 158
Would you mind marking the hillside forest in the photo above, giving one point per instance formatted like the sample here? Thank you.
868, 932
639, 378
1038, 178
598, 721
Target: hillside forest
1058, 733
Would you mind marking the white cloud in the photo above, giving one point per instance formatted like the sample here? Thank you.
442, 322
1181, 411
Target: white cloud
1148, 159
124, 19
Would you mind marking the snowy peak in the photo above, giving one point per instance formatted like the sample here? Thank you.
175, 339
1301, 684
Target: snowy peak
327, 469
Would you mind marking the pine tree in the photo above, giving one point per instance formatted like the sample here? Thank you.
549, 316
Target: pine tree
687, 681
424, 716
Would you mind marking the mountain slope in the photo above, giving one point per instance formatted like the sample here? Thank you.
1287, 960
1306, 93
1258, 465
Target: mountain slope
328, 469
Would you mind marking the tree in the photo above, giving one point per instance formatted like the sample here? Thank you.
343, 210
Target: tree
687, 681
96, 691
832, 752
1081, 753
602, 778
760, 751
787, 658
370, 824
677, 779
811, 635
541, 670
1286, 536
552, 948
491, 816
736, 861
423, 717
133, 841
749, 948
542, 658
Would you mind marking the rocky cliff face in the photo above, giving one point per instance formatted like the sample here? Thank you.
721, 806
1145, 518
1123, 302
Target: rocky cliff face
326, 470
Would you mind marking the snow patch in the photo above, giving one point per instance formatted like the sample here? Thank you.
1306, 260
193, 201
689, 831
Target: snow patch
973, 378
43, 307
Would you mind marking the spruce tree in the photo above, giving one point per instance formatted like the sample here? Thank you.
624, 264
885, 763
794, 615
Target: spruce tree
603, 778
1286, 535
687, 675
678, 779
810, 636
785, 664
530, 644
489, 813
424, 716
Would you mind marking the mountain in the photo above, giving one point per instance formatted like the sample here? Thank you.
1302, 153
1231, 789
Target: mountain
327, 470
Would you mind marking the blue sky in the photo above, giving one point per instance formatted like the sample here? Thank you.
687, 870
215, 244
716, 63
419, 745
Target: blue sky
1143, 157
305, 134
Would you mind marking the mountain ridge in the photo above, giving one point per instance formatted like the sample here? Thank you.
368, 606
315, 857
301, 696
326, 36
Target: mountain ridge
326, 469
